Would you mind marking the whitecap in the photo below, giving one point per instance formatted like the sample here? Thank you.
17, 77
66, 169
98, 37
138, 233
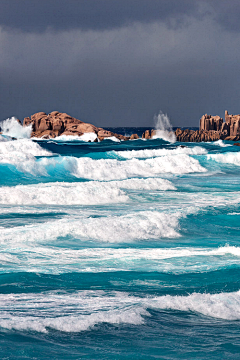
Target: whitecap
50, 310
149, 153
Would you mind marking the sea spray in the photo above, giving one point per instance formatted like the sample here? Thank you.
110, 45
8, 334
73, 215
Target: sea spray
163, 128
12, 127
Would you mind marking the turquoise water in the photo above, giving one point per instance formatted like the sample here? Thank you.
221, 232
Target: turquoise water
119, 250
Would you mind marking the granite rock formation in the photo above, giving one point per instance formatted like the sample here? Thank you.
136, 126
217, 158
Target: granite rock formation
56, 124
212, 128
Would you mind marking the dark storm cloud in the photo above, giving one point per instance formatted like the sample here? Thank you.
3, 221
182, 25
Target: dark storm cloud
39, 15
226, 13
118, 62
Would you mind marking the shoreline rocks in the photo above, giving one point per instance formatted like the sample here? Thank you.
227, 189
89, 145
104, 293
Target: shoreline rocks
212, 128
56, 124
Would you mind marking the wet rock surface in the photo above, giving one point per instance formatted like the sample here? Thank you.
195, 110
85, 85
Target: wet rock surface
211, 128
56, 124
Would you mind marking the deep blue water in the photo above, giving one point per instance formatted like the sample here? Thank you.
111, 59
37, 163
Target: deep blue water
119, 250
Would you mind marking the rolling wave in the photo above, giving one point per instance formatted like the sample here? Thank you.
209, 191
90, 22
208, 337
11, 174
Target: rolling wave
83, 193
83, 310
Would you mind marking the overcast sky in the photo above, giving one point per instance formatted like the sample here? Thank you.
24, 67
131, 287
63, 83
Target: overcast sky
119, 62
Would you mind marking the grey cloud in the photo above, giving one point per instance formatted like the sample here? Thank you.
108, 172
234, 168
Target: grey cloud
226, 13
40, 15
121, 76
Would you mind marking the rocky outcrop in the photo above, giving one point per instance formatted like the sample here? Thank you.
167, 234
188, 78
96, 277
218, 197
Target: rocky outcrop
148, 134
56, 123
208, 122
197, 136
212, 128
134, 137
228, 130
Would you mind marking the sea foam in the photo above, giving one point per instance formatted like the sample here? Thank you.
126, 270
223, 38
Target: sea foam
149, 153
81, 193
126, 228
226, 158
13, 128
83, 310
111, 169
42, 259
22, 154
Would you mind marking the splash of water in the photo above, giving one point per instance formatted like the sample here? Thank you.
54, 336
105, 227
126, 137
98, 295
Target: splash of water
163, 128
12, 127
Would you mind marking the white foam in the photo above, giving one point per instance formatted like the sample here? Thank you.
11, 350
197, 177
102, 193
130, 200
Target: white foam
5, 138
13, 128
21, 153
83, 310
112, 169
226, 158
144, 184
65, 138
62, 194
39, 312
60, 260
222, 306
85, 193
220, 143
149, 153
125, 228
112, 138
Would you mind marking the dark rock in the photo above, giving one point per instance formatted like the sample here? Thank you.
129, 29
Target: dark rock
146, 135
134, 136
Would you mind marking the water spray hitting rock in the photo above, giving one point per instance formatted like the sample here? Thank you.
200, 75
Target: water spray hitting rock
12, 127
163, 129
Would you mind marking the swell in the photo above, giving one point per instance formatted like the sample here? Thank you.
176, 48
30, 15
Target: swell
50, 260
84, 193
82, 310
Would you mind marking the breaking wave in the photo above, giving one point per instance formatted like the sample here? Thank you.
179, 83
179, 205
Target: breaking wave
21, 153
86, 193
47, 260
226, 158
149, 153
112, 169
125, 228
12, 127
45, 311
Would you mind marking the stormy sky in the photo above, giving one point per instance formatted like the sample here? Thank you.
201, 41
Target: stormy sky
119, 62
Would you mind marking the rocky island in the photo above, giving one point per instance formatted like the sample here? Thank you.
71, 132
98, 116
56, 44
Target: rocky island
55, 124
211, 128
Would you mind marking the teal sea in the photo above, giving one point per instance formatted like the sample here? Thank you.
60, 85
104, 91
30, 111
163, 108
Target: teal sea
119, 250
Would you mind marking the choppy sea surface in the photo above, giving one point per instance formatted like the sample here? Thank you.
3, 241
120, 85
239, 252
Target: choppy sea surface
119, 250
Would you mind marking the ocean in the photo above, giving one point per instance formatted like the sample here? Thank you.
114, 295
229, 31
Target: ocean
119, 250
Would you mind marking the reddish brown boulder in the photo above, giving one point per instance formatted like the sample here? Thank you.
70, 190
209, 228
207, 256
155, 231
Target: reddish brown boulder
56, 123
104, 133
146, 135
208, 122
134, 137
